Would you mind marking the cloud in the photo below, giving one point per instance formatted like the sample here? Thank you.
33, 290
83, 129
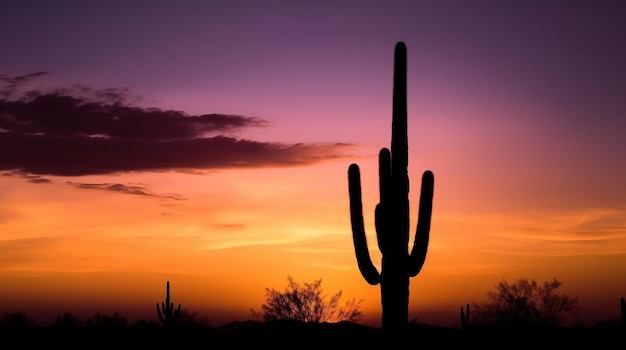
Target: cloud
36, 179
127, 189
597, 222
82, 131
11, 86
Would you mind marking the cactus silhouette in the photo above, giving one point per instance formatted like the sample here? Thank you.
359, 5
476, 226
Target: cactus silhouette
622, 308
465, 316
392, 212
168, 314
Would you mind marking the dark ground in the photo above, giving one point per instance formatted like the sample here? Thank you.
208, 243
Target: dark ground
294, 335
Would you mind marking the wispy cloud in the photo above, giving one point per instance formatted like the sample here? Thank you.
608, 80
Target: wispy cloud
82, 131
126, 189
589, 230
36, 179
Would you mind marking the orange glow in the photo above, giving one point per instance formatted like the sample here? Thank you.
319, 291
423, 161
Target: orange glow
238, 232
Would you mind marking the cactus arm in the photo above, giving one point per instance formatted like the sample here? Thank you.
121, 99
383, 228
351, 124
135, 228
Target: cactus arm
364, 261
161, 317
422, 233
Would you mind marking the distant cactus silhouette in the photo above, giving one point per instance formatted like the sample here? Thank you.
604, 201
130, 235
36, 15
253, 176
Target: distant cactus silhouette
168, 314
392, 213
465, 316
622, 304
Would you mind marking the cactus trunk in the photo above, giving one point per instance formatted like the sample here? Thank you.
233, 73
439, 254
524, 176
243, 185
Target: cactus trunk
392, 212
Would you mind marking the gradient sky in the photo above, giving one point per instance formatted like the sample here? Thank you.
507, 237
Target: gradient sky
207, 143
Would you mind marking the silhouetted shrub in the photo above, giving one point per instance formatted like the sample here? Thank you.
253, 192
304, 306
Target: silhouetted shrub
16, 320
145, 325
66, 320
191, 320
524, 303
306, 303
107, 322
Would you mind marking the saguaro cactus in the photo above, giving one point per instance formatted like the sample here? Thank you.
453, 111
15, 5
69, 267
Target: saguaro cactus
168, 315
465, 316
392, 212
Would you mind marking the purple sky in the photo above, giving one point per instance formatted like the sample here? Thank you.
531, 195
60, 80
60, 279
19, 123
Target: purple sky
318, 71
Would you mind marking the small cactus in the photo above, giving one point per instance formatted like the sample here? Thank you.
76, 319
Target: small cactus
622, 304
167, 313
465, 316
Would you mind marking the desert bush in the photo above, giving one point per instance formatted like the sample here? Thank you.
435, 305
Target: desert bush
66, 320
16, 320
524, 302
115, 321
307, 303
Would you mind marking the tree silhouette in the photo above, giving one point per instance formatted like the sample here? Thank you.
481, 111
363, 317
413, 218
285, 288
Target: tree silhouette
307, 303
392, 213
524, 302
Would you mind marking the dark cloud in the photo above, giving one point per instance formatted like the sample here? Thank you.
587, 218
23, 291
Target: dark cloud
39, 181
11, 86
81, 131
36, 179
127, 189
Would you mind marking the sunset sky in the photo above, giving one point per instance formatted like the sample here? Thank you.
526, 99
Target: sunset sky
207, 143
